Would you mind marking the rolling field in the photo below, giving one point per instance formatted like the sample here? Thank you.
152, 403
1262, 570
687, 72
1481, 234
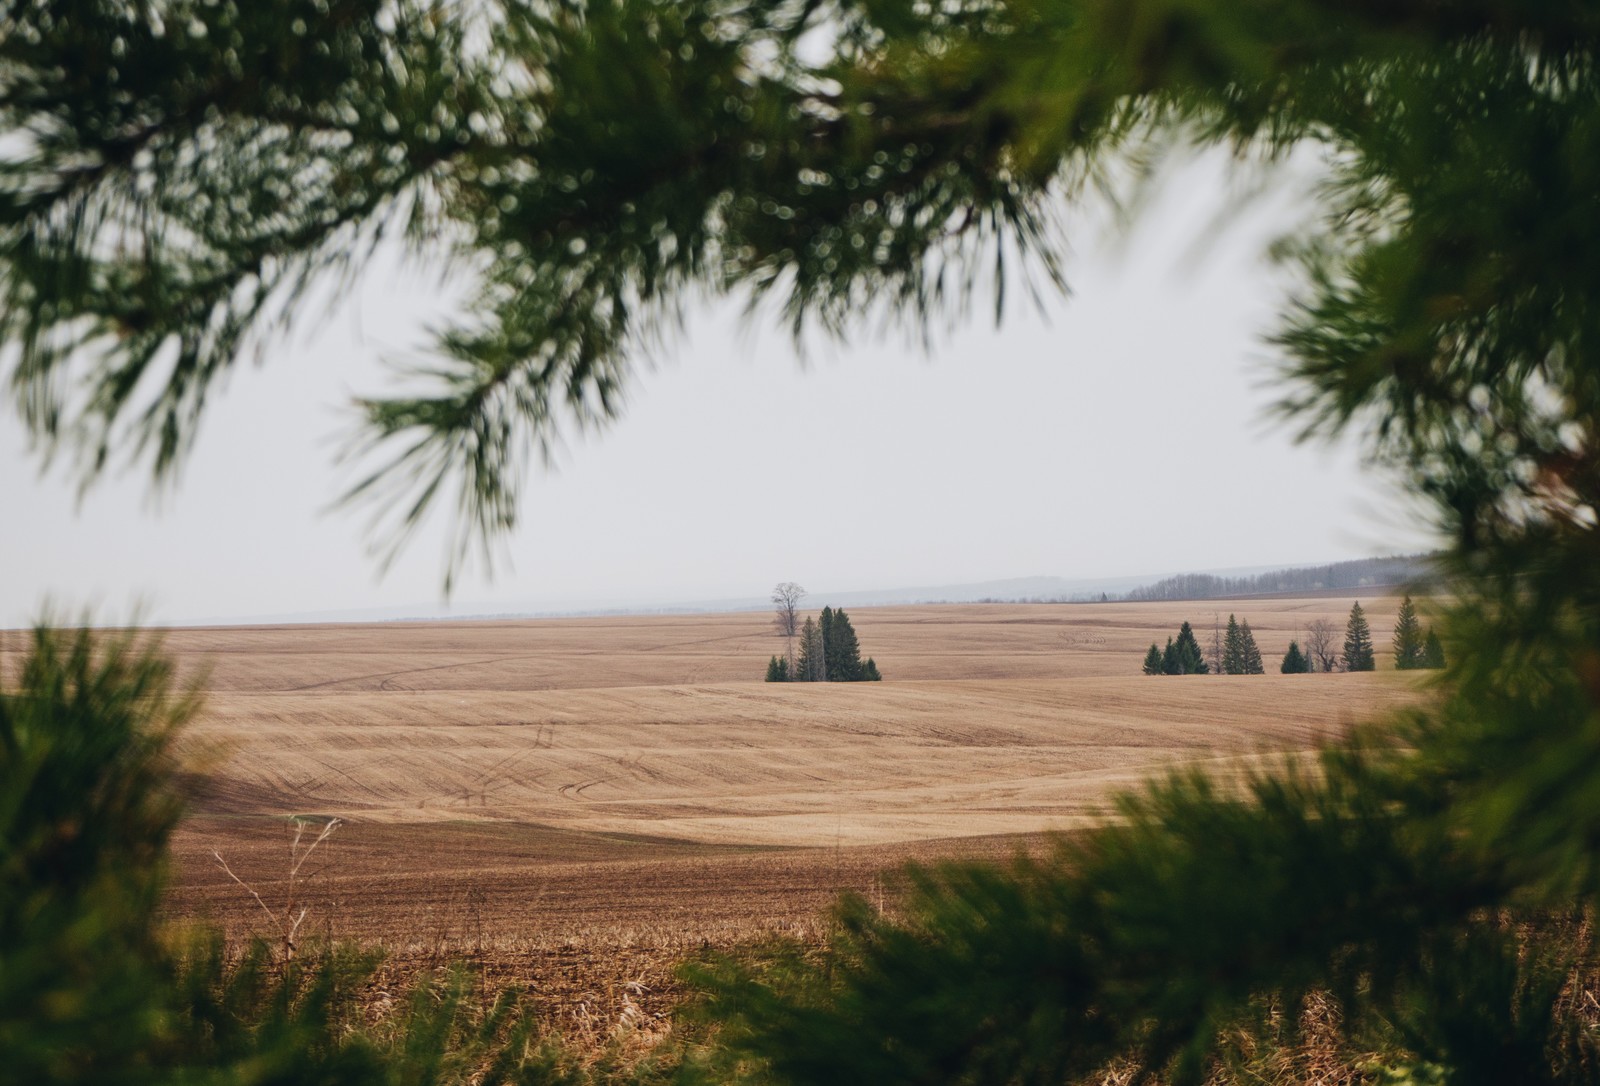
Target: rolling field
577, 802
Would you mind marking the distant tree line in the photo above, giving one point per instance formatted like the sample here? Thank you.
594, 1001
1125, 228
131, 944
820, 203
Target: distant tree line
828, 650
1359, 573
1236, 652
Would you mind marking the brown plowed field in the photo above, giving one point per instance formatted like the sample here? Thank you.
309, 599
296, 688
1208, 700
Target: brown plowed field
580, 802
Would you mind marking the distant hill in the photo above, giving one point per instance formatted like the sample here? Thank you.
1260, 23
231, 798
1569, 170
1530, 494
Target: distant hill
1235, 581
1360, 573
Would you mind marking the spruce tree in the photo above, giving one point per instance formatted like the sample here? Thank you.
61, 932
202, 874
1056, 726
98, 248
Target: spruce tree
1409, 647
1294, 661
1432, 651
1152, 660
1358, 655
1233, 656
1170, 663
843, 653
813, 659
869, 672
773, 674
1191, 660
830, 655
1251, 654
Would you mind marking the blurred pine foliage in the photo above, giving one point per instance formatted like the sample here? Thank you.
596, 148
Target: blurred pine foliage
177, 178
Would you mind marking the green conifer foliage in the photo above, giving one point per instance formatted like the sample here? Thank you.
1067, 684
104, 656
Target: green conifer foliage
85, 762
1358, 653
813, 662
778, 670
869, 672
1171, 664
1432, 651
1152, 660
1295, 662
1250, 654
1240, 655
602, 164
1409, 646
843, 649
1233, 654
1191, 660
829, 652
96, 991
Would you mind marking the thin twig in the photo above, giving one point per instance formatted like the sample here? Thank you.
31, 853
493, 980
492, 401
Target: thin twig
327, 832
289, 922
248, 888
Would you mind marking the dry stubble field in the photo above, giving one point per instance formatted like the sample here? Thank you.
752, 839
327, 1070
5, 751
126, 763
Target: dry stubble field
578, 803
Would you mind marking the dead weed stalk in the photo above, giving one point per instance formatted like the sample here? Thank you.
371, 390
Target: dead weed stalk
286, 919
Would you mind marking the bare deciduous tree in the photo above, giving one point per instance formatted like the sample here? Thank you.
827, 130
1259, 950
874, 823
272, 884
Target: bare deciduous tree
1320, 634
786, 601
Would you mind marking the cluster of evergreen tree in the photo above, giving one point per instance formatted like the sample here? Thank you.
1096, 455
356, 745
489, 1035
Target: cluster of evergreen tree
1181, 656
1237, 654
829, 652
1414, 650
1240, 656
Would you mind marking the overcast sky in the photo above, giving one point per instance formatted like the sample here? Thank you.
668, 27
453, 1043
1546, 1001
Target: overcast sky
1125, 431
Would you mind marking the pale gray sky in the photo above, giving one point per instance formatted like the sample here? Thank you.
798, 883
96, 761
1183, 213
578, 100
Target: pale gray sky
1123, 432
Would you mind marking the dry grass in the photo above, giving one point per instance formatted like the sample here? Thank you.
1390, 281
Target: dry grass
577, 805
752, 763
520, 761
969, 641
995, 720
